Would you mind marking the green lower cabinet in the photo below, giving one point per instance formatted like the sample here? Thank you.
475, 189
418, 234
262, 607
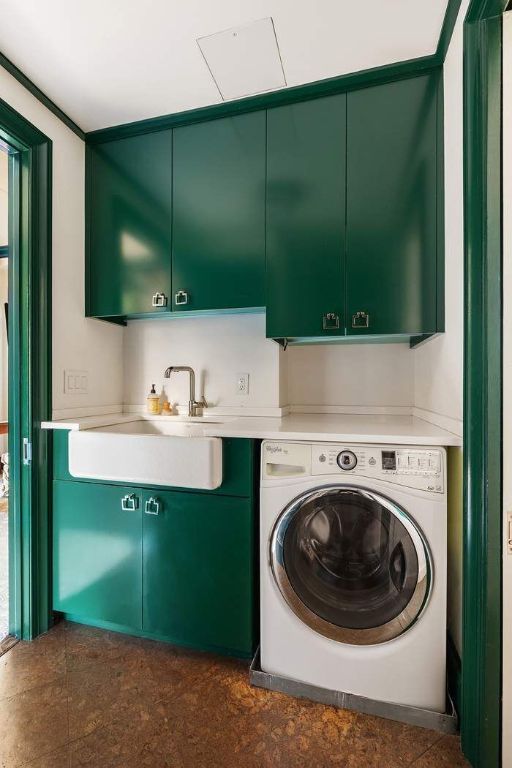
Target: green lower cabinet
198, 570
172, 565
97, 553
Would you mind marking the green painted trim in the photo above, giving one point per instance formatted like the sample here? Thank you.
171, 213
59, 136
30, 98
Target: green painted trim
485, 9
276, 98
481, 644
4, 251
318, 89
440, 212
450, 17
121, 628
13, 70
30, 164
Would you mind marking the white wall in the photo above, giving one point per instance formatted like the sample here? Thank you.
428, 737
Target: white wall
77, 342
220, 347
438, 364
350, 376
217, 347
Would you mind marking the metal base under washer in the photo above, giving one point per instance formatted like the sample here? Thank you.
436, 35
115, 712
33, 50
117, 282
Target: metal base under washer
436, 721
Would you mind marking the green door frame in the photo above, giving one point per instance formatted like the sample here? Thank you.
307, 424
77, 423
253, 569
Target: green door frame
481, 653
30, 162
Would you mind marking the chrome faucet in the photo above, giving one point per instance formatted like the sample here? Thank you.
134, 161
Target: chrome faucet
193, 404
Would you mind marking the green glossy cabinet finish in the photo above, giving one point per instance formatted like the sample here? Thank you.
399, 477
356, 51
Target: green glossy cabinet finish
391, 257
219, 213
128, 219
305, 232
185, 574
197, 572
97, 554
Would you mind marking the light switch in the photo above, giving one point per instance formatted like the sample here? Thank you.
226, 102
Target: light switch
76, 382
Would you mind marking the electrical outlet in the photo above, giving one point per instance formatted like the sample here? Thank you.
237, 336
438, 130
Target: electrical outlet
76, 382
242, 384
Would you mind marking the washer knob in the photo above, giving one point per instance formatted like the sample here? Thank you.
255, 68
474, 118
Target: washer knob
346, 460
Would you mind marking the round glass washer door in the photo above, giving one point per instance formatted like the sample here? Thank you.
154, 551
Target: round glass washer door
351, 564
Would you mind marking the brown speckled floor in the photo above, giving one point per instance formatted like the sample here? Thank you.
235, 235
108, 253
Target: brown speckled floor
83, 697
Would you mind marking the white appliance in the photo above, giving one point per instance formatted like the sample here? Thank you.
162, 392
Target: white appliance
353, 569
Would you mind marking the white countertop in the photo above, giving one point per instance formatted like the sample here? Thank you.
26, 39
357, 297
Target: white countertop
339, 428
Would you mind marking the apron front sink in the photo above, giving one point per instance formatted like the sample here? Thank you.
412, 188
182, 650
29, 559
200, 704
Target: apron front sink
167, 453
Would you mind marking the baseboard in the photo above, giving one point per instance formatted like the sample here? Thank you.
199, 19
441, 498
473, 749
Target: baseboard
83, 411
220, 410
440, 420
354, 410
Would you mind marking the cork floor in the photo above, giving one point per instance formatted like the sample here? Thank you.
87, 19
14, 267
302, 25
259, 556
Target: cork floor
79, 696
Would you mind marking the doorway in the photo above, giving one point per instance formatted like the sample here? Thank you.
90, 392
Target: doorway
28, 363
4, 380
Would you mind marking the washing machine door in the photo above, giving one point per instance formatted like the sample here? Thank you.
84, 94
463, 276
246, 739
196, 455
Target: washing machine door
351, 564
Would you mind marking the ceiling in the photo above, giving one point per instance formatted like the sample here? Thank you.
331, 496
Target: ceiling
106, 62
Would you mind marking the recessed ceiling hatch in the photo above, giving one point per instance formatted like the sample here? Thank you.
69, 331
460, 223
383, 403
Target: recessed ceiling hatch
244, 60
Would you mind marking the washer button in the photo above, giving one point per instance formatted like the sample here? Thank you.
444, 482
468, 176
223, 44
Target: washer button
346, 460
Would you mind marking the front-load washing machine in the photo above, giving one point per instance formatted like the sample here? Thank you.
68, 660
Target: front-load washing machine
353, 569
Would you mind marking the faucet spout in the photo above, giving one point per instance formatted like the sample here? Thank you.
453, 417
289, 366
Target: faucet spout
193, 405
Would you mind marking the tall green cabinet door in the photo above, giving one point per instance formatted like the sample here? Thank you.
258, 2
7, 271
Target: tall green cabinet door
97, 554
392, 197
219, 214
305, 232
128, 219
198, 570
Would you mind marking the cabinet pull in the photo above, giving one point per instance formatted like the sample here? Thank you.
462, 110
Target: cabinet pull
159, 300
181, 297
331, 321
130, 502
360, 320
152, 506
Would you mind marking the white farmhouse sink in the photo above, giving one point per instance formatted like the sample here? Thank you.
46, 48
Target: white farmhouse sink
172, 453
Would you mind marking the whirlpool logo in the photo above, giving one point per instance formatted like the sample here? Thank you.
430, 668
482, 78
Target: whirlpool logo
275, 449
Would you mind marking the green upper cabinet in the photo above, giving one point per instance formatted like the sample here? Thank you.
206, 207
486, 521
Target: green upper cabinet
393, 191
306, 183
219, 214
128, 219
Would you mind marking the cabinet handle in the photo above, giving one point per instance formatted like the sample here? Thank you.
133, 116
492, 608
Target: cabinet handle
130, 502
159, 300
152, 506
360, 320
181, 297
331, 321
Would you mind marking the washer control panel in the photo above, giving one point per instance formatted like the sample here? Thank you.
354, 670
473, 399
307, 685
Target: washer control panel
421, 468
410, 466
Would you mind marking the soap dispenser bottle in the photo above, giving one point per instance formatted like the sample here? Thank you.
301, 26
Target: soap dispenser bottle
153, 401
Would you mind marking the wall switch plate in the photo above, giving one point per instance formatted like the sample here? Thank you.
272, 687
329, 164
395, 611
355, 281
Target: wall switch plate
76, 382
242, 384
